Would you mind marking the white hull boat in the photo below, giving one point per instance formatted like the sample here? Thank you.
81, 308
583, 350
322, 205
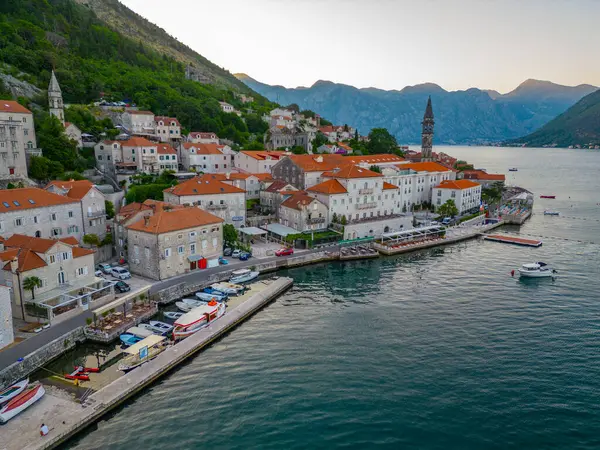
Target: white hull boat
173, 315
197, 319
139, 332
536, 270
136, 356
243, 276
228, 288
551, 213
164, 328
21, 402
12, 391
187, 304
208, 297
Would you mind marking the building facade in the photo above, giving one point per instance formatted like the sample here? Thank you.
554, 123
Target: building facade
303, 212
199, 137
465, 194
258, 161
7, 336
207, 158
139, 123
167, 129
17, 140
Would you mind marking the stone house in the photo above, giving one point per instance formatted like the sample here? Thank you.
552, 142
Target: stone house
258, 161
303, 212
483, 178
74, 133
129, 214
466, 194
273, 193
167, 158
139, 123
288, 136
6, 323
40, 213
207, 158
210, 193
303, 171
17, 140
199, 137
249, 182
226, 107
167, 129
172, 241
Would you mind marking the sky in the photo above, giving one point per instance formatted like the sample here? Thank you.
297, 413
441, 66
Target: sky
390, 44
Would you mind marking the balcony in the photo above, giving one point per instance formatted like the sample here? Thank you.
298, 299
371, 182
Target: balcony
316, 220
366, 205
216, 207
365, 191
93, 214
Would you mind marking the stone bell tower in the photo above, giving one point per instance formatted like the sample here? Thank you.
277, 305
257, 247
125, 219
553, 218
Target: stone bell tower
427, 133
55, 99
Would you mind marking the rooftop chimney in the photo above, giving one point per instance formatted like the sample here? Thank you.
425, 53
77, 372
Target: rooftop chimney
14, 265
146, 221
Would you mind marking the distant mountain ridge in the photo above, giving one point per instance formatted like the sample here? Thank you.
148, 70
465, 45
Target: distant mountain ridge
470, 116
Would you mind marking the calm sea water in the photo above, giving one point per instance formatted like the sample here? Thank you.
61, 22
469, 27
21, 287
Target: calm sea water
437, 349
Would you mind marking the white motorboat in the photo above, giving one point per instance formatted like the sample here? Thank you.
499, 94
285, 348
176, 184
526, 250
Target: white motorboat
197, 319
243, 276
21, 402
551, 213
187, 304
228, 288
536, 270
12, 391
172, 315
156, 327
139, 332
212, 296
136, 355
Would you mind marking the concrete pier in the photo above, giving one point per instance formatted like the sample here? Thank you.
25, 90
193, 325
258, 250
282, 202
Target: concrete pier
23, 431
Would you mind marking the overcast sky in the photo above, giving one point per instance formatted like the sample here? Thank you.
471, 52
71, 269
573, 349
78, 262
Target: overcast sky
388, 44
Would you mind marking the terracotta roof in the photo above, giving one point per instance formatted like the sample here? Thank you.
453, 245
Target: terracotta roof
29, 198
205, 149
387, 185
457, 184
27, 259
263, 176
167, 120
39, 245
176, 219
146, 113
203, 185
276, 186
203, 135
67, 124
329, 187
318, 163
344, 146
71, 240
157, 205
78, 252
262, 155
138, 142
299, 199
329, 128
232, 176
424, 167
482, 175
75, 189
351, 171
374, 159
166, 149
13, 107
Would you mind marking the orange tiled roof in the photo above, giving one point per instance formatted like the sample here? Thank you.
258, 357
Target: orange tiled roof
276, 186
456, 184
39, 245
332, 186
298, 199
318, 163
13, 107
482, 175
28, 198
424, 167
75, 189
138, 142
203, 185
71, 240
27, 259
387, 185
263, 176
205, 149
167, 120
166, 221
166, 149
374, 159
351, 171
78, 252
262, 154
145, 113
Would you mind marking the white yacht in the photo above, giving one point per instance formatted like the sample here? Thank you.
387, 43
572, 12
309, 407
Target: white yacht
536, 270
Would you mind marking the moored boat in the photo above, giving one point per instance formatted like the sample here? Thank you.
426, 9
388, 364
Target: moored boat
186, 305
161, 327
551, 213
208, 297
78, 374
197, 319
172, 315
140, 332
536, 270
136, 356
243, 276
547, 196
513, 169
21, 402
227, 288
129, 339
12, 391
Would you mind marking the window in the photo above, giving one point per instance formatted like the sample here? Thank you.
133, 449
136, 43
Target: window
180, 249
81, 271
99, 157
192, 249
36, 219
56, 232
214, 242
19, 221
453, 194
204, 243
193, 235
51, 259
70, 214
167, 252
64, 256
53, 217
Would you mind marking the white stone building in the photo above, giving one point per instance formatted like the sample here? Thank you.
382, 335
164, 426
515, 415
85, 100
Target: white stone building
6, 323
172, 242
199, 137
39, 213
302, 212
252, 183
74, 133
139, 123
226, 107
466, 194
17, 140
167, 158
55, 100
207, 158
258, 161
208, 192
167, 129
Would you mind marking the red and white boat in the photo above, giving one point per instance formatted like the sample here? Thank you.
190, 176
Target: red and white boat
198, 318
12, 391
78, 374
547, 196
21, 402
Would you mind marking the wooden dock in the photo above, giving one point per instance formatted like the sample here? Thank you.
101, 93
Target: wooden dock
512, 240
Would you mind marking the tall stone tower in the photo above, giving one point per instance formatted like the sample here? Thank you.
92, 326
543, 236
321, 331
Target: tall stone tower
55, 99
427, 133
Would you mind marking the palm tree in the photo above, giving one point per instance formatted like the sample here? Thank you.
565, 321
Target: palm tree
31, 283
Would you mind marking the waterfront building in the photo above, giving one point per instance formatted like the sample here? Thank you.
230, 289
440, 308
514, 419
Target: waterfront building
40, 213
258, 161
466, 194
208, 192
249, 182
17, 140
485, 179
273, 193
172, 241
55, 100
66, 272
302, 212
198, 137
7, 336
427, 133
207, 158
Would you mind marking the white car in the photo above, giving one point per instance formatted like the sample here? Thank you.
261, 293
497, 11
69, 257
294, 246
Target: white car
120, 273
236, 253
105, 267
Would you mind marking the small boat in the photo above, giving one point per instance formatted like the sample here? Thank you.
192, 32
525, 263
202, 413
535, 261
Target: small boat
228, 288
78, 374
551, 213
243, 276
536, 270
140, 332
513, 169
88, 369
197, 319
136, 356
172, 315
208, 297
12, 391
150, 328
186, 305
162, 327
129, 339
547, 196
21, 402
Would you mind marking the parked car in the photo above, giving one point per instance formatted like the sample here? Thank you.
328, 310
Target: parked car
227, 252
99, 274
121, 273
245, 256
121, 286
223, 261
236, 253
446, 221
105, 267
284, 251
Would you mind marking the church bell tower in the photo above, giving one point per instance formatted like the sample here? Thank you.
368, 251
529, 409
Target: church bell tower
55, 99
427, 133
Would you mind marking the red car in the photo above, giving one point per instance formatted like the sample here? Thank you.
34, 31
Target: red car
284, 251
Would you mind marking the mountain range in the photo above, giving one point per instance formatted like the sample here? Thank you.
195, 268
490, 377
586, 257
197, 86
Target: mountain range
473, 116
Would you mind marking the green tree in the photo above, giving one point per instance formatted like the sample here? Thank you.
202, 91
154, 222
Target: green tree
91, 239
31, 284
381, 141
110, 209
56, 144
319, 140
375, 169
42, 169
448, 209
230, 235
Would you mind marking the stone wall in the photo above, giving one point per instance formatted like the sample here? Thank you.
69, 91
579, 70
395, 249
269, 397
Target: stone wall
40, 357
6, 323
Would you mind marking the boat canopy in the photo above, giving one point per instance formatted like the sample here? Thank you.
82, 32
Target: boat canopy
140, 332
195, 315
531, 266
240, 272
147, 342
